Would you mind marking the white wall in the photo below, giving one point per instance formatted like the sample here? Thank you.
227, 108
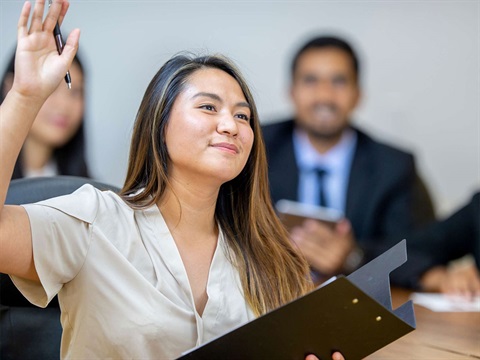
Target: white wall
421, 69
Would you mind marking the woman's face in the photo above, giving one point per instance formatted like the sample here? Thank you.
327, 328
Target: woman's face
61, 115
208, 135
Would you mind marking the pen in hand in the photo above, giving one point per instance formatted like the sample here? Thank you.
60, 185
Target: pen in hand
59, 42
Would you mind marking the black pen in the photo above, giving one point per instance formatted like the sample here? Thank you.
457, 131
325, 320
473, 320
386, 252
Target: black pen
59, 42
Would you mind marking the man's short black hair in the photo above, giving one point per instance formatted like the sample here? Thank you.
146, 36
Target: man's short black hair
323, 42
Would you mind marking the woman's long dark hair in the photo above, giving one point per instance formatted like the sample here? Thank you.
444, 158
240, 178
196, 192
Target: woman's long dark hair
272, 272
69, 158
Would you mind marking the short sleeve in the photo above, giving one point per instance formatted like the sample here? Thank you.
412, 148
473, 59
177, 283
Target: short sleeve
61, 235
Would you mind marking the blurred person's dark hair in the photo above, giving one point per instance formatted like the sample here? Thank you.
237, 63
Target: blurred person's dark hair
328, 42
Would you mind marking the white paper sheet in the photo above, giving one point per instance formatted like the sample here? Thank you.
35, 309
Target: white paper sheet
446, 303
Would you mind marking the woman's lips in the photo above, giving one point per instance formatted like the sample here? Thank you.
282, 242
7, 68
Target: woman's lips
60, 121
226, 147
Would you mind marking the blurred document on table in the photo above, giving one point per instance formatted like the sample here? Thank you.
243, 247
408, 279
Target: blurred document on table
446, 303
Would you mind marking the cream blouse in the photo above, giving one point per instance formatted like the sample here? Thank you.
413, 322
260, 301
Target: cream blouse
121, 283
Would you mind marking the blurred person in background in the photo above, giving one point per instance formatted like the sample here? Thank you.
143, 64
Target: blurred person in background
318, 157
56, 144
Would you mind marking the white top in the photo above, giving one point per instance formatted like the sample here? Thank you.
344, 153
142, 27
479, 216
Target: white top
50, 169
121, 283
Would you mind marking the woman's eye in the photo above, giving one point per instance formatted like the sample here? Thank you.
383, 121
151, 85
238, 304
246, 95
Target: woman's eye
208, 107
243, 117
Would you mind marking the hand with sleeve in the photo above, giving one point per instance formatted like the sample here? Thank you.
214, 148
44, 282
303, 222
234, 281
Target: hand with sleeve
461, 280
39, 69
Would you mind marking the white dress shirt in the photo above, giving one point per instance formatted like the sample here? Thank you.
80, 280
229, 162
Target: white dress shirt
337, 162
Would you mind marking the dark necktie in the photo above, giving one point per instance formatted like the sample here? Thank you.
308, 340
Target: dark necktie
321, 173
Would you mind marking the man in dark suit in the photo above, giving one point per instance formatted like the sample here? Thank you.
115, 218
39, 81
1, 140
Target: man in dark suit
319, 157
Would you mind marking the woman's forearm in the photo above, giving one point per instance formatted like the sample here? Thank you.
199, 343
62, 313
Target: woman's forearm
17, 114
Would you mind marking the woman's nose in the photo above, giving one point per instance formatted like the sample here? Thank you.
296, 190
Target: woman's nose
227, 125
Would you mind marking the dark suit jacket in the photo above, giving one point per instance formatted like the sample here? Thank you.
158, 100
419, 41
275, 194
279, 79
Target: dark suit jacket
386, 199
453, 237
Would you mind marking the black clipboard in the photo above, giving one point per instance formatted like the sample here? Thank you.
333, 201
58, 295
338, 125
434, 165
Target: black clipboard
350, 314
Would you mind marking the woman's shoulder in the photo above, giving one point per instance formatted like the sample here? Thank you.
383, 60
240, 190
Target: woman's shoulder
88, 202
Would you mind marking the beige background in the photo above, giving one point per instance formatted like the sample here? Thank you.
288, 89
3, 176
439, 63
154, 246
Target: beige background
421, 69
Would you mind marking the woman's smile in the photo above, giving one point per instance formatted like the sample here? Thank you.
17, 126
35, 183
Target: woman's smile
227, 147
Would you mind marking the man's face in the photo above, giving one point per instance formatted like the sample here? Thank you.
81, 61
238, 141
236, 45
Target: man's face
324, 92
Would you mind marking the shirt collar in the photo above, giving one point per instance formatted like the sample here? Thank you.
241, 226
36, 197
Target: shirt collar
333, 160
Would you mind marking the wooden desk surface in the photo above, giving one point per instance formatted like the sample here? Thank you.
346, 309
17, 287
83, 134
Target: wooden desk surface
438, 335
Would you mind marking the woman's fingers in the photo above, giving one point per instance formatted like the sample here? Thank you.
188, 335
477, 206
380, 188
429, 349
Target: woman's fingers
37, 16
56, 13
40, 66
53, 14
64, 10
71, 46
337, 356
23, 20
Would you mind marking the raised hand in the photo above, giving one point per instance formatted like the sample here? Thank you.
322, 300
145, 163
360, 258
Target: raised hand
38, 66
38, 72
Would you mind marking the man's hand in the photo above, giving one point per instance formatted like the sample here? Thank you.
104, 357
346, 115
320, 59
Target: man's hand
461, 280
324, 247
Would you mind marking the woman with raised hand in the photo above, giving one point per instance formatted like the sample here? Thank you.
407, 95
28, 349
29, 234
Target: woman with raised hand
190, 249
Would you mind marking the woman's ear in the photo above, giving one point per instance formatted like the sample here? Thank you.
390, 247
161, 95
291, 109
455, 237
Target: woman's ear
7, 84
